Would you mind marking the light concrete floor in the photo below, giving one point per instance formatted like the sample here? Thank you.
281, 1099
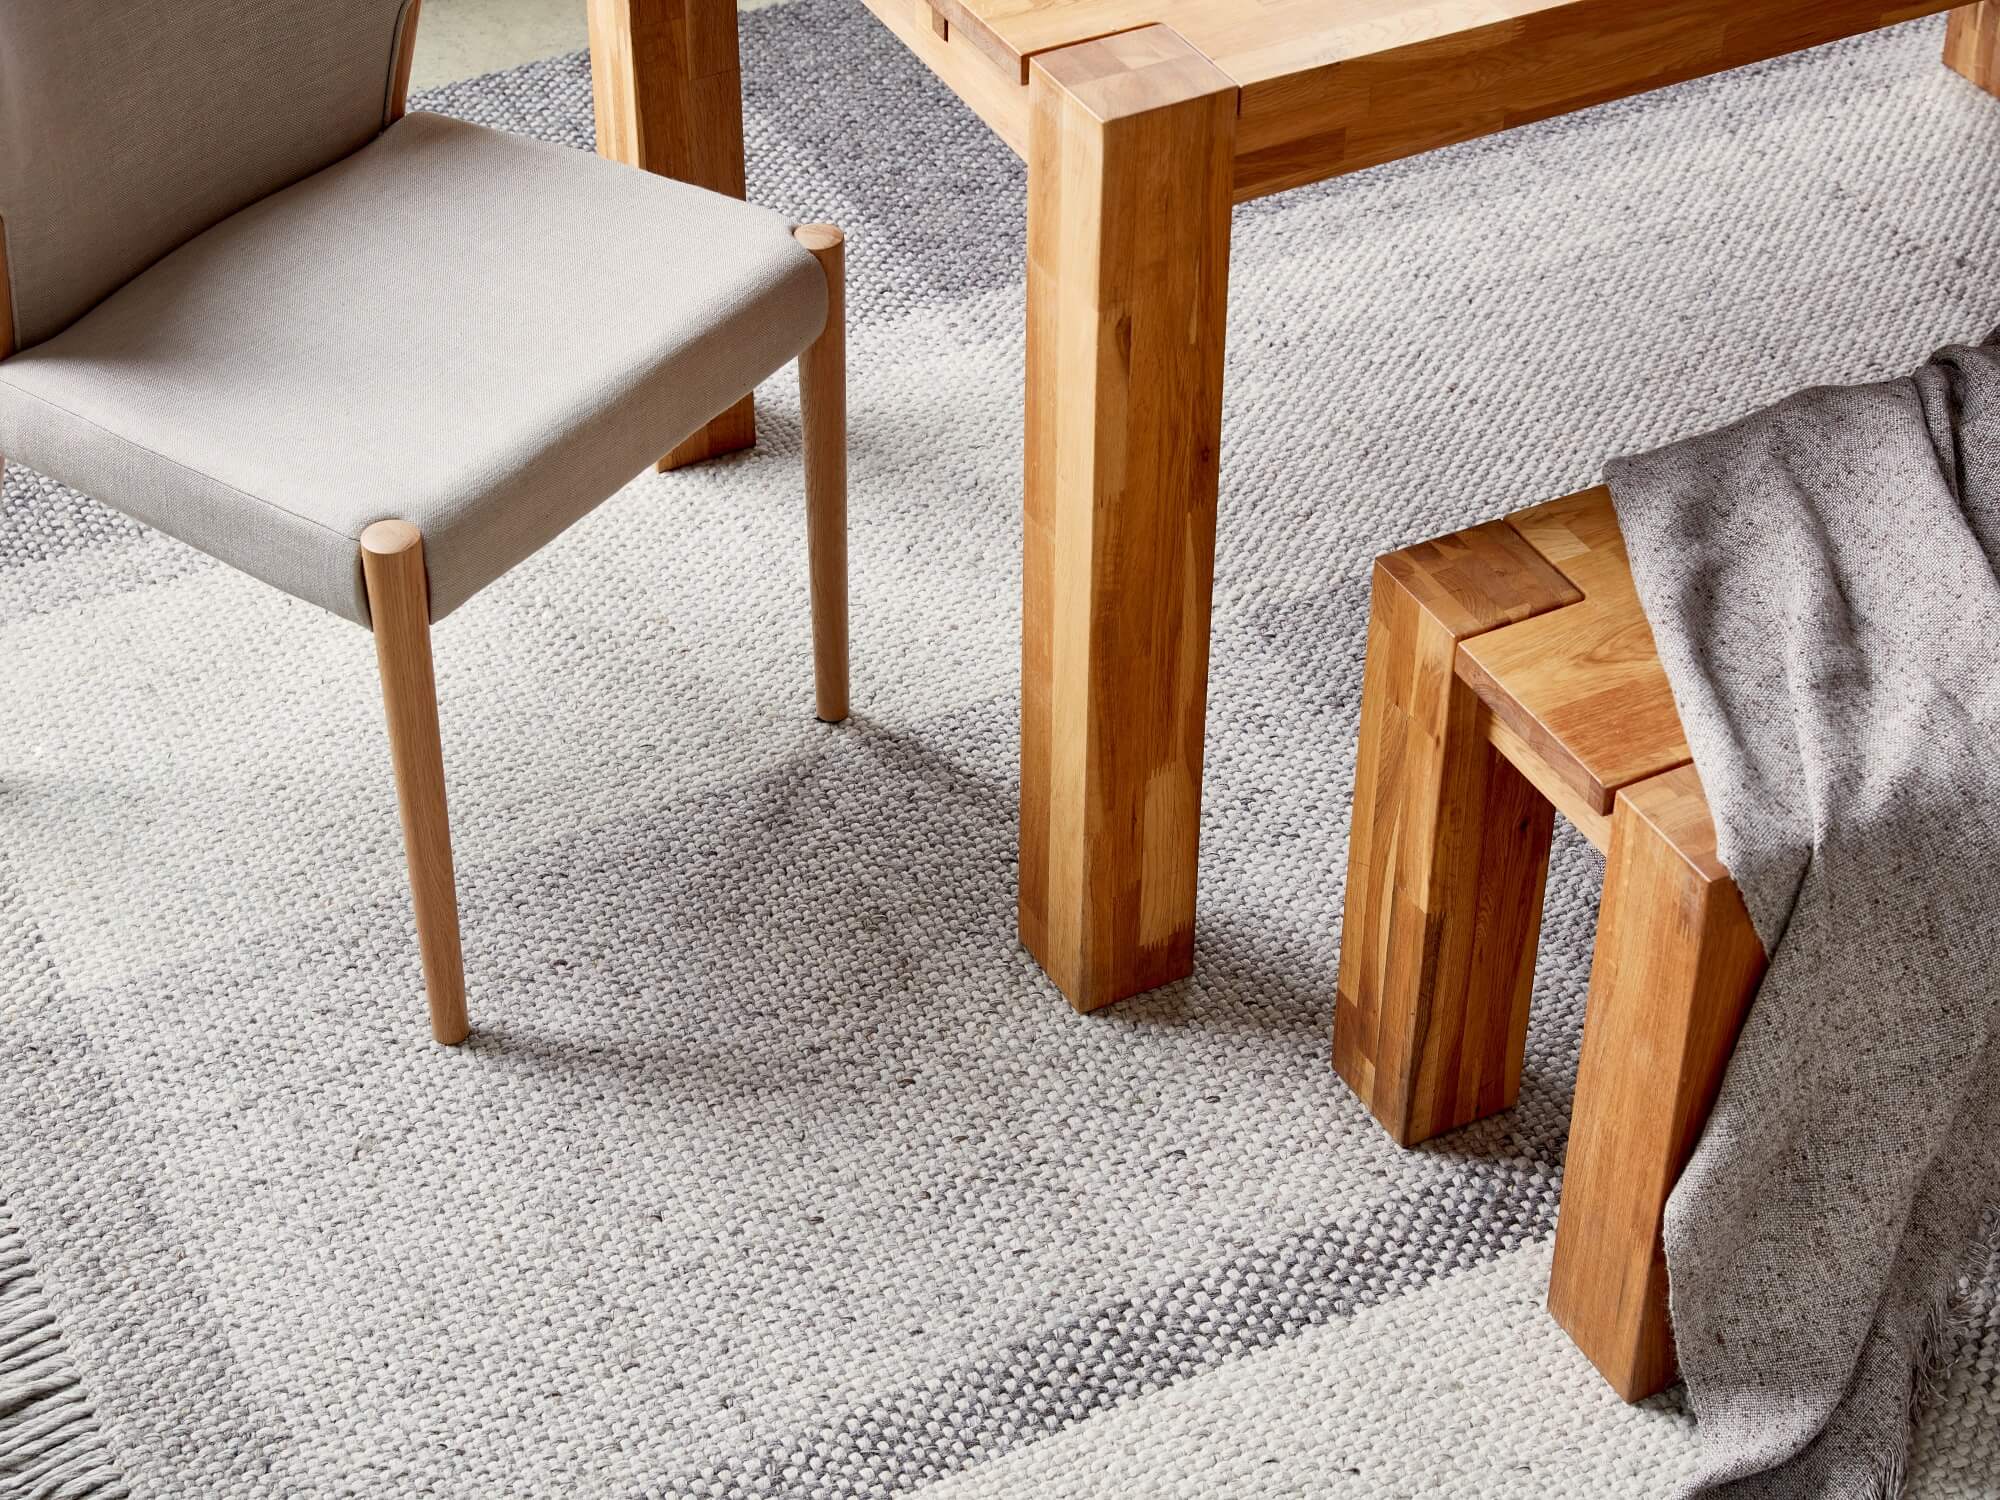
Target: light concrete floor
463, 38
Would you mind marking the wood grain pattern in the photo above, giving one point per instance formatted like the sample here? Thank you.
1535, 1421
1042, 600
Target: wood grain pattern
669, 95
1489, 663
1448, 847
1585, 687
1972, 44
1523, 757
665, 80
1676, 965
1426, 75
996, 95
1331, 88
823, 405
730, 432
392, 564
1128, 262
406, 51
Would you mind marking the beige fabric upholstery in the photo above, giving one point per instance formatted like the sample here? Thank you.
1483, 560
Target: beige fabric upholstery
127, 127
480, 334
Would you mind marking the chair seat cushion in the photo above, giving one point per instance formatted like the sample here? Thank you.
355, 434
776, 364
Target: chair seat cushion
483, 335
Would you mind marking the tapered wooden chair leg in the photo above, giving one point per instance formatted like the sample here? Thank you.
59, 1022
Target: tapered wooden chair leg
1972, 44
1448, 850
1676, 965
823, 397
392, 562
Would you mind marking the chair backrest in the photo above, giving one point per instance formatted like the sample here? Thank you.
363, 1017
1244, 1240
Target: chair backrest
127, 127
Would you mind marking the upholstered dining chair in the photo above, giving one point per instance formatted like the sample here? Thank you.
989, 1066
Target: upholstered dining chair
372, 359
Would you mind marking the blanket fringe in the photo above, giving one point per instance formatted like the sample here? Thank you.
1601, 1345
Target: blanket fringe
1956, 1318
50, 1445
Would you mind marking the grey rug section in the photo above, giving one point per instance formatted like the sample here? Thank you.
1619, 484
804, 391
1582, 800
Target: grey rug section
931, 212
1823, 579
1132, 1349
774, 1167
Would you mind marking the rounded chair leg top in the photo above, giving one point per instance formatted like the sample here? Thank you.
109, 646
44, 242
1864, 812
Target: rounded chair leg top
388, 538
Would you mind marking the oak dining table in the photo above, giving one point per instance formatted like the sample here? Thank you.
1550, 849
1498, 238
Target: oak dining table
1142, 123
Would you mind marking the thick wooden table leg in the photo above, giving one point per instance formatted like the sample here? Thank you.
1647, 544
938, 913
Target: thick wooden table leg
1677, 963
1972, 44
1131, 143
669, 96
1448, 848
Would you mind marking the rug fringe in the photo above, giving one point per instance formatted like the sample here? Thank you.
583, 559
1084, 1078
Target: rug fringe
1953, 1319
50, 1445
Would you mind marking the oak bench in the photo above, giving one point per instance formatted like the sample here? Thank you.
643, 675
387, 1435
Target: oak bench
1510, 674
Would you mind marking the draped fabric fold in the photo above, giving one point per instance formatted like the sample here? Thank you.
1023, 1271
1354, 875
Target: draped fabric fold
1821, 580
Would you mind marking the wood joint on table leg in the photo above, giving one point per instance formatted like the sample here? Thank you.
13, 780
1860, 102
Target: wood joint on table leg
1130, 143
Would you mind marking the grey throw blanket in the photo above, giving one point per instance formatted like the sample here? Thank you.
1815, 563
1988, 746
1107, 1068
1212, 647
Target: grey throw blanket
1821, 579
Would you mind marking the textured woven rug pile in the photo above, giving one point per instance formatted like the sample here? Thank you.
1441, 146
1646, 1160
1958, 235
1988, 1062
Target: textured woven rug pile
774, 1167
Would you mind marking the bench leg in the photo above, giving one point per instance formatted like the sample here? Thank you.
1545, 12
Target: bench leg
1972, 44
1130, 149
1448, 849
667, 85
1676, 965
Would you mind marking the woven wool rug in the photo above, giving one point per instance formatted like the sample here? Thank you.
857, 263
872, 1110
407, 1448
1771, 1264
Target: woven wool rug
774, 1167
